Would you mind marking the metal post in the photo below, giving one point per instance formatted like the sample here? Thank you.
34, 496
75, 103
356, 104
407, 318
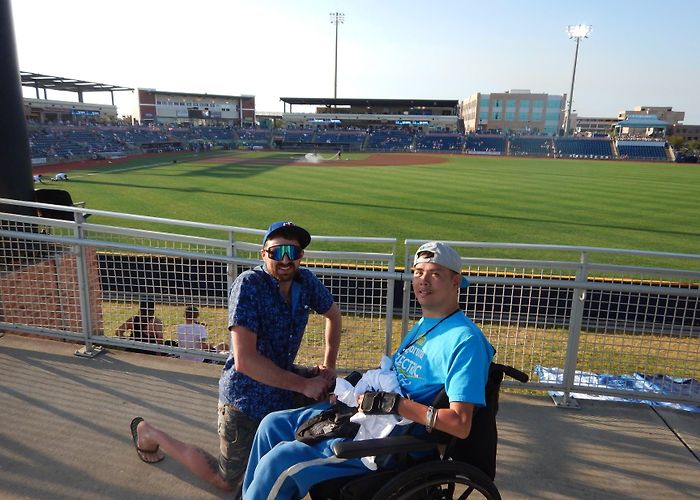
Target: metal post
390, 304
335, 73
578, 32
336, 18
89, 351
231, 268
567, 124
576, 320
406, 294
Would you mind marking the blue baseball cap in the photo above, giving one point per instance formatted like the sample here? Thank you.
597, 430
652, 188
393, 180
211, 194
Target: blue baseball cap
292, 230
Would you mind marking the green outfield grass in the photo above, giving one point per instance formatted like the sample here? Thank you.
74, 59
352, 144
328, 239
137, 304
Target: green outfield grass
618, 204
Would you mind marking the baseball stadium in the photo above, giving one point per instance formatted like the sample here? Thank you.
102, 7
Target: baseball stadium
579, 238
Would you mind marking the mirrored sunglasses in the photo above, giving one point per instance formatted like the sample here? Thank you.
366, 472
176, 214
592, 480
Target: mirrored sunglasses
278, 252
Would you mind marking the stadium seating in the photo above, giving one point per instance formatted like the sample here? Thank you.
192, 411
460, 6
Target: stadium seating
531, 146
489, 144
216, 134
70, 143
581, 147
254, 137
140, 135
299, 136
440, 142
73, 142
349, 139
199, 134
390, 140
642, 150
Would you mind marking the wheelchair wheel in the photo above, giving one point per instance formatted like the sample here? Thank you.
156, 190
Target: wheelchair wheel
439, 480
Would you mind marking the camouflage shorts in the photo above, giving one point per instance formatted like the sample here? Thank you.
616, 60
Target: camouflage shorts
236, 433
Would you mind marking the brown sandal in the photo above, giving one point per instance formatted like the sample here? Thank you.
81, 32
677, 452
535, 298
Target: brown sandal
135, 436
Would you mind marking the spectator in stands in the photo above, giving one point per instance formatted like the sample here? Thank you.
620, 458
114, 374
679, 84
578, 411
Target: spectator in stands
192, 334
268, 311
145, 326
445, 349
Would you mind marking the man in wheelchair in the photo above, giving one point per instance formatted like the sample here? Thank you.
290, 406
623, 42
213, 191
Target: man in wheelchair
444, 350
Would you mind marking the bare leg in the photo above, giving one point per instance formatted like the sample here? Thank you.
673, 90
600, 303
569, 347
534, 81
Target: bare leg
198, 461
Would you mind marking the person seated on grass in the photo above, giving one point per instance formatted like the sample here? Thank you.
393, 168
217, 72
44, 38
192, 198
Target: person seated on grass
192, 334
444, 349
145, 326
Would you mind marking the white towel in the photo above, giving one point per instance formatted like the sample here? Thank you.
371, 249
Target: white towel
371, 426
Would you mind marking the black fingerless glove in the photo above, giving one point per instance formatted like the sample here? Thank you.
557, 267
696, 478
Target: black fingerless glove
380, 403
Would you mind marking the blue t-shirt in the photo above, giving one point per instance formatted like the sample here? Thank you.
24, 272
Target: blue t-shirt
255, 302
455, 355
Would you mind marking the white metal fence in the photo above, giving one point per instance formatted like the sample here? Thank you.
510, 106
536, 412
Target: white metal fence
578, 310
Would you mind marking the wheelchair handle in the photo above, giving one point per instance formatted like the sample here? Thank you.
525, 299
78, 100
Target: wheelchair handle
513, 373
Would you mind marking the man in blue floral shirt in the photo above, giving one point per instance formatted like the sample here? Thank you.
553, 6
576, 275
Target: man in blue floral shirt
268, 311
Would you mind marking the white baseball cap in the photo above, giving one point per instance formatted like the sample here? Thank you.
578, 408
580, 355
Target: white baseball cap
443, 255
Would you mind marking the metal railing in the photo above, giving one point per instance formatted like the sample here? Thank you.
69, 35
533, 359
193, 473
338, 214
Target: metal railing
578, 310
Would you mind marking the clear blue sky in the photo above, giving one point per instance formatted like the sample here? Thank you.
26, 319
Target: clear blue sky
640, 52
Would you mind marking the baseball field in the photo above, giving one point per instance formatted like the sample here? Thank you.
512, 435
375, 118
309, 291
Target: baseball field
616, 204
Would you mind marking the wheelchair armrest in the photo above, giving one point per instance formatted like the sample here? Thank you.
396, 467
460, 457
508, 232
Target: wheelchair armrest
382, 446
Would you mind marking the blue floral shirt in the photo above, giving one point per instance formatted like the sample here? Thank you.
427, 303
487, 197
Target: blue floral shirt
255, 302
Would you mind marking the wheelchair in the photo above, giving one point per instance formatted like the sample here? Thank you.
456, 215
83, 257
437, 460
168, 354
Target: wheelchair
450, 468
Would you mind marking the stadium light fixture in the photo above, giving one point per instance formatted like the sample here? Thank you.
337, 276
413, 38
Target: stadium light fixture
336, 18
575, 32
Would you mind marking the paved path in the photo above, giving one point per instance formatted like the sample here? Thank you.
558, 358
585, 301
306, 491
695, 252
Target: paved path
65, 433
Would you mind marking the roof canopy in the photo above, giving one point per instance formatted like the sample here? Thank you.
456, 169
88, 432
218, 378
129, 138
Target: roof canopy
416, 103
642, 121
37, 80
165, 93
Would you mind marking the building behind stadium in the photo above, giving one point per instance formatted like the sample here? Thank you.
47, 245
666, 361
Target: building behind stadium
159, 107
513, 111
509, 112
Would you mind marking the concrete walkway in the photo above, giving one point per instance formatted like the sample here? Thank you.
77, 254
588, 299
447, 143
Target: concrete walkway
65, 433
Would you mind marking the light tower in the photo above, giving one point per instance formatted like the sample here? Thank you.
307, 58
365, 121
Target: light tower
576, 32
336, 18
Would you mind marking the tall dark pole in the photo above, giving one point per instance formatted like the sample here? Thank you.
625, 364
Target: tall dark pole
567, 127
577, 32
336, 18
15, 160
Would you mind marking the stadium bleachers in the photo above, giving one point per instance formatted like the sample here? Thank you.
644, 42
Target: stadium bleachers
390, 140
440, 142
140, 136
642, 150
489, 144
581, 147
254, 137
530, 146
198, 134
69, 142
216, 134
300, 136
341, 138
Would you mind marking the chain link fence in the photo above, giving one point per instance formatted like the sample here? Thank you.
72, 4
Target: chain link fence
577, 310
